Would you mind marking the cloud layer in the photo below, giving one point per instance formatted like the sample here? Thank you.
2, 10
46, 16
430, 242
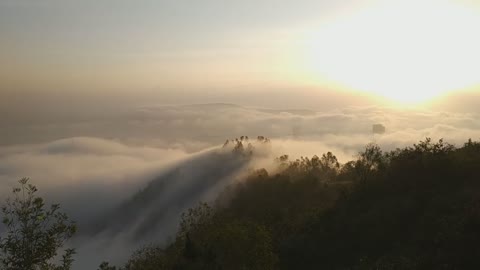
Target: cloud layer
196, 127
87, 175
177, 147
126, 150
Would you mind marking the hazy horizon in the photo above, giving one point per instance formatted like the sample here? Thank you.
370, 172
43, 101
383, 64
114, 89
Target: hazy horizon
156, 48
102, 100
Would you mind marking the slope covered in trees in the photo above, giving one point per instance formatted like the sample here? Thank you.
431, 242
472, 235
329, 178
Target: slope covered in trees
411, 208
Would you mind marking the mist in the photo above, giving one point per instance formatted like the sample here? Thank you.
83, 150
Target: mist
95, 163
129, 114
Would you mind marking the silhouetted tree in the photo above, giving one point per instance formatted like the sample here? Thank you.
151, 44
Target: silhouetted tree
412, 208
33, 234
106, 266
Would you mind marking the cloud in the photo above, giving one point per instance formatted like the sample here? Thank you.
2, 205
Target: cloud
87, 175
153, 214
96, 180
172, 151
134, 145
192, 128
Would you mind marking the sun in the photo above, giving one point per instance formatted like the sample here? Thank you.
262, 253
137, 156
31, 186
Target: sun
407, 51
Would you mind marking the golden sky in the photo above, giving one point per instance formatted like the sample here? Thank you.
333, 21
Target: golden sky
407, 50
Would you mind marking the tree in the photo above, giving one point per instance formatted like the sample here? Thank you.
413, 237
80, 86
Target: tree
147, 258
106, 266
34, 234
369, 161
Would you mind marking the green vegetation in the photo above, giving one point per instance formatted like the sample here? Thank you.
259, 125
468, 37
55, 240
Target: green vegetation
411, 208
33, 234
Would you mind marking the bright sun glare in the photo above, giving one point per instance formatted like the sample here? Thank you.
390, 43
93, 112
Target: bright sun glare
409, 51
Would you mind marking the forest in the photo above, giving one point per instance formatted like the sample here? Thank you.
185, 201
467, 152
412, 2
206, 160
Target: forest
416, 207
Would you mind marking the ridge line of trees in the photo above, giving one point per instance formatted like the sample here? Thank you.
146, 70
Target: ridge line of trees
416, 207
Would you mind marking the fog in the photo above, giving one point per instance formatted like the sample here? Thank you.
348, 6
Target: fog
93, 161
119, 110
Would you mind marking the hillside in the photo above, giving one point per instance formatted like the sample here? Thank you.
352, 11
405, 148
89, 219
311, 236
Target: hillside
412, 208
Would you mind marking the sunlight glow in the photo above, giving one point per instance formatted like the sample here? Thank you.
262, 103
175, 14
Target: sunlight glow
407, 51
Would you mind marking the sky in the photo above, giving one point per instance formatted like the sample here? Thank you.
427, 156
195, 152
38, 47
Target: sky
403, 50
146, 44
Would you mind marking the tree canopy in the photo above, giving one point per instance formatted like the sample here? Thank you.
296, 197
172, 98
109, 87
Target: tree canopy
416, 207
411, 208
34, 233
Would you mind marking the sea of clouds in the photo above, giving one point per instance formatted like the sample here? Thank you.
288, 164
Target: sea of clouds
92, 165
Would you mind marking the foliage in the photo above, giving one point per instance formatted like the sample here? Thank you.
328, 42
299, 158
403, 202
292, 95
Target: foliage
147, 258
411, 208
34, 234
106, 266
